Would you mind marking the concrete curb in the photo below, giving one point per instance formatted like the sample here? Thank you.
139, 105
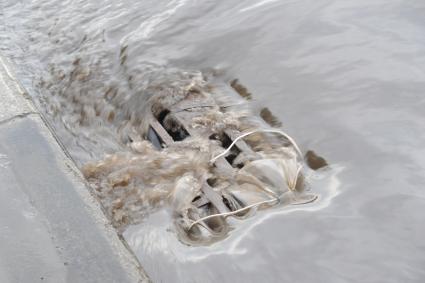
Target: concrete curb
54, 229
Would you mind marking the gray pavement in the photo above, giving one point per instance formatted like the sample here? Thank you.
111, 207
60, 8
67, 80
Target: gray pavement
52, 229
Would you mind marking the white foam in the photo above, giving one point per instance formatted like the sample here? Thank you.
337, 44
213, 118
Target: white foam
146, 28
256, 5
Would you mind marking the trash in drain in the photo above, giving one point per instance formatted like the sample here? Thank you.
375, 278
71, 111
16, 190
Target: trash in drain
208, 158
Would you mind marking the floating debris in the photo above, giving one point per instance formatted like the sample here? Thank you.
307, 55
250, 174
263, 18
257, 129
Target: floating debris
241, 89
180, 143
205, 161
269, 118
315, 161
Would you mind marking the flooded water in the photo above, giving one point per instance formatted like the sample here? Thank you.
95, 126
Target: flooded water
346, 78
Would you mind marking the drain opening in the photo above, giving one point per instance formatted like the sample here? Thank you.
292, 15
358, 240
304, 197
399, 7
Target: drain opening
173, 127
226, 141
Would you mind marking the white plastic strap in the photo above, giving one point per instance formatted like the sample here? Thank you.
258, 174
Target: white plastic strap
291, 140
225, 214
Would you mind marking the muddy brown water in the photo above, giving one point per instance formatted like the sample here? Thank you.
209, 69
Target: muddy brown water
345, 78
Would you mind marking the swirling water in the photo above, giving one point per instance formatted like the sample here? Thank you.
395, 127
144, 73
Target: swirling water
345, 77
